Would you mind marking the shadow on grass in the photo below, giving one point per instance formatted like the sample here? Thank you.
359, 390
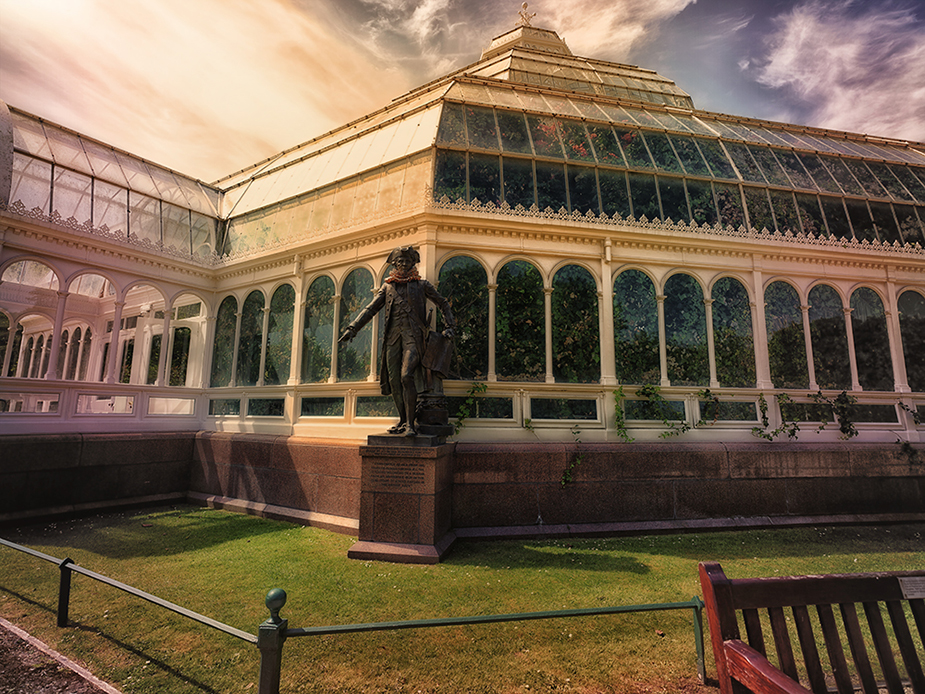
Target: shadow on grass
116, 643
151, 532
538, 555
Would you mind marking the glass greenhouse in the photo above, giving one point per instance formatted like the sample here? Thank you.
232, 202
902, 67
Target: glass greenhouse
617, 259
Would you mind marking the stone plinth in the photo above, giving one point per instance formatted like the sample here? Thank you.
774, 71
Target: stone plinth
405, 500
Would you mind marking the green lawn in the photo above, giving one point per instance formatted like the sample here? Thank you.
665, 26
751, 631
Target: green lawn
222, 564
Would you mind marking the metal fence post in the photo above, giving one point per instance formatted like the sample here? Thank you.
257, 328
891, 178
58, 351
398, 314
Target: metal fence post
698, 638
64, 591
270, 638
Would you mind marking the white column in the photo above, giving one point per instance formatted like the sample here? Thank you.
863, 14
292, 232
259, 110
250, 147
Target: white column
207, 352
760, 334
492, 296
711, 345
298, 325
163, 359
335, 334
605, 315
114, 360
8, 356
52, 373
547, 309
810, 364
662, 344
264, 339
234, 348
894, 330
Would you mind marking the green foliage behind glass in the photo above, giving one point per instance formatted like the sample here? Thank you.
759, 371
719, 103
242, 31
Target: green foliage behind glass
576, 344
318, 331
279, 336
520, 351
222, 355
464, 283
830, 341
732, 335
353, 358
686, 332
635, 326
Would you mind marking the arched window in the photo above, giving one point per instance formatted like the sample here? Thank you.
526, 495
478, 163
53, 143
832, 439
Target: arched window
4, 337
85, 355
250, 340
786, 343
871, 340
27, 358
912, 328
576, 343
73, 354
15, 345
733, 342
635, 328
353, 358
179, 356
686, 332
464, 282
222, 356
279, 336
830, 341
37, 356
318, 331
520, 323
62, 352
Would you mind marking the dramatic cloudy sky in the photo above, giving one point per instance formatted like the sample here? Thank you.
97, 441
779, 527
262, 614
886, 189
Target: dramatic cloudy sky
210, 86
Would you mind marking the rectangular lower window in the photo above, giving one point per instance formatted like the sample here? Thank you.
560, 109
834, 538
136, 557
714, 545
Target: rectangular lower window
105, 404
224, 406
171, 406
654, 411
481, 408
723, 411
376, 406
37, 403
322, 407
266, 407
563, 408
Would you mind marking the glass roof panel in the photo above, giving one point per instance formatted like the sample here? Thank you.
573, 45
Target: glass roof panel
911, 183
889, 181
667, 121
634, 148
482, 129
67, 150
794, 169
819, 143
744, 133
533, 102
512, 127
167, 186
869, 182
422, 136
722, 129
452, 129
104, 163
545, 135
715, 155
642, 117
605, 145
575, 141
769, 136
769, 166
561, 105
698, 125
791, 139
29, 136
689, 155
139, 179
744, 162
378, 147
819, 173
662, 152
617, 114
506, 98
589, 109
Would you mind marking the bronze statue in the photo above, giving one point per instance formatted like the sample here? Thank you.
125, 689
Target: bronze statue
411, 351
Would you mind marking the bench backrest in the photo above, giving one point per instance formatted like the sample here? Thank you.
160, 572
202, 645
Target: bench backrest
830, 606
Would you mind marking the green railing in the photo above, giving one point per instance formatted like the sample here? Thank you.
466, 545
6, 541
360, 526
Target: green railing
272, 634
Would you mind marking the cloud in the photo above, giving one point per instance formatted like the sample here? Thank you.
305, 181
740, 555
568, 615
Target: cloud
608, 29
848, 66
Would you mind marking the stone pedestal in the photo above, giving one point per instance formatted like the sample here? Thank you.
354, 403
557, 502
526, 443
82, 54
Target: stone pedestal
405, 499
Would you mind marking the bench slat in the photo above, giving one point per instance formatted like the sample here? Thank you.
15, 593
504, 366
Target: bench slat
906, 646
753, 630
834, 648
918, 611
782, 642
810, 652
858, 648
817, 590
882, 647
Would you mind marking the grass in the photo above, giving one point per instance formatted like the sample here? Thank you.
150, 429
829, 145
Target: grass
222, 564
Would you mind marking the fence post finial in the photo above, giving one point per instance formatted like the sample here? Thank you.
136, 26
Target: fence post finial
270, 638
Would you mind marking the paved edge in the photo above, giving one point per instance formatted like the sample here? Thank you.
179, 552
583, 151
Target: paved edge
66, 662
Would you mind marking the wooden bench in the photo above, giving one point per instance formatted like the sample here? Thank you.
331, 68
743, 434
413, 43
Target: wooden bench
898, 654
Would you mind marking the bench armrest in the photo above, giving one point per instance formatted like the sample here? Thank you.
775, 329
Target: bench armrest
748, 666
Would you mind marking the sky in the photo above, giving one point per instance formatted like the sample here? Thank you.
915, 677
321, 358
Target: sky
208, 87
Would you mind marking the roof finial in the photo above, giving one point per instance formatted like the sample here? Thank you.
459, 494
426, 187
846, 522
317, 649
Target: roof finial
525, 16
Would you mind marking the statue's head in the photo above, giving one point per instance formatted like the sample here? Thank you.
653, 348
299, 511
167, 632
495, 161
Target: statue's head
404, 258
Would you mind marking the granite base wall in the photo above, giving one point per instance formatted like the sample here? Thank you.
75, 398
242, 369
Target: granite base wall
76, 473
513, 488
517, 485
